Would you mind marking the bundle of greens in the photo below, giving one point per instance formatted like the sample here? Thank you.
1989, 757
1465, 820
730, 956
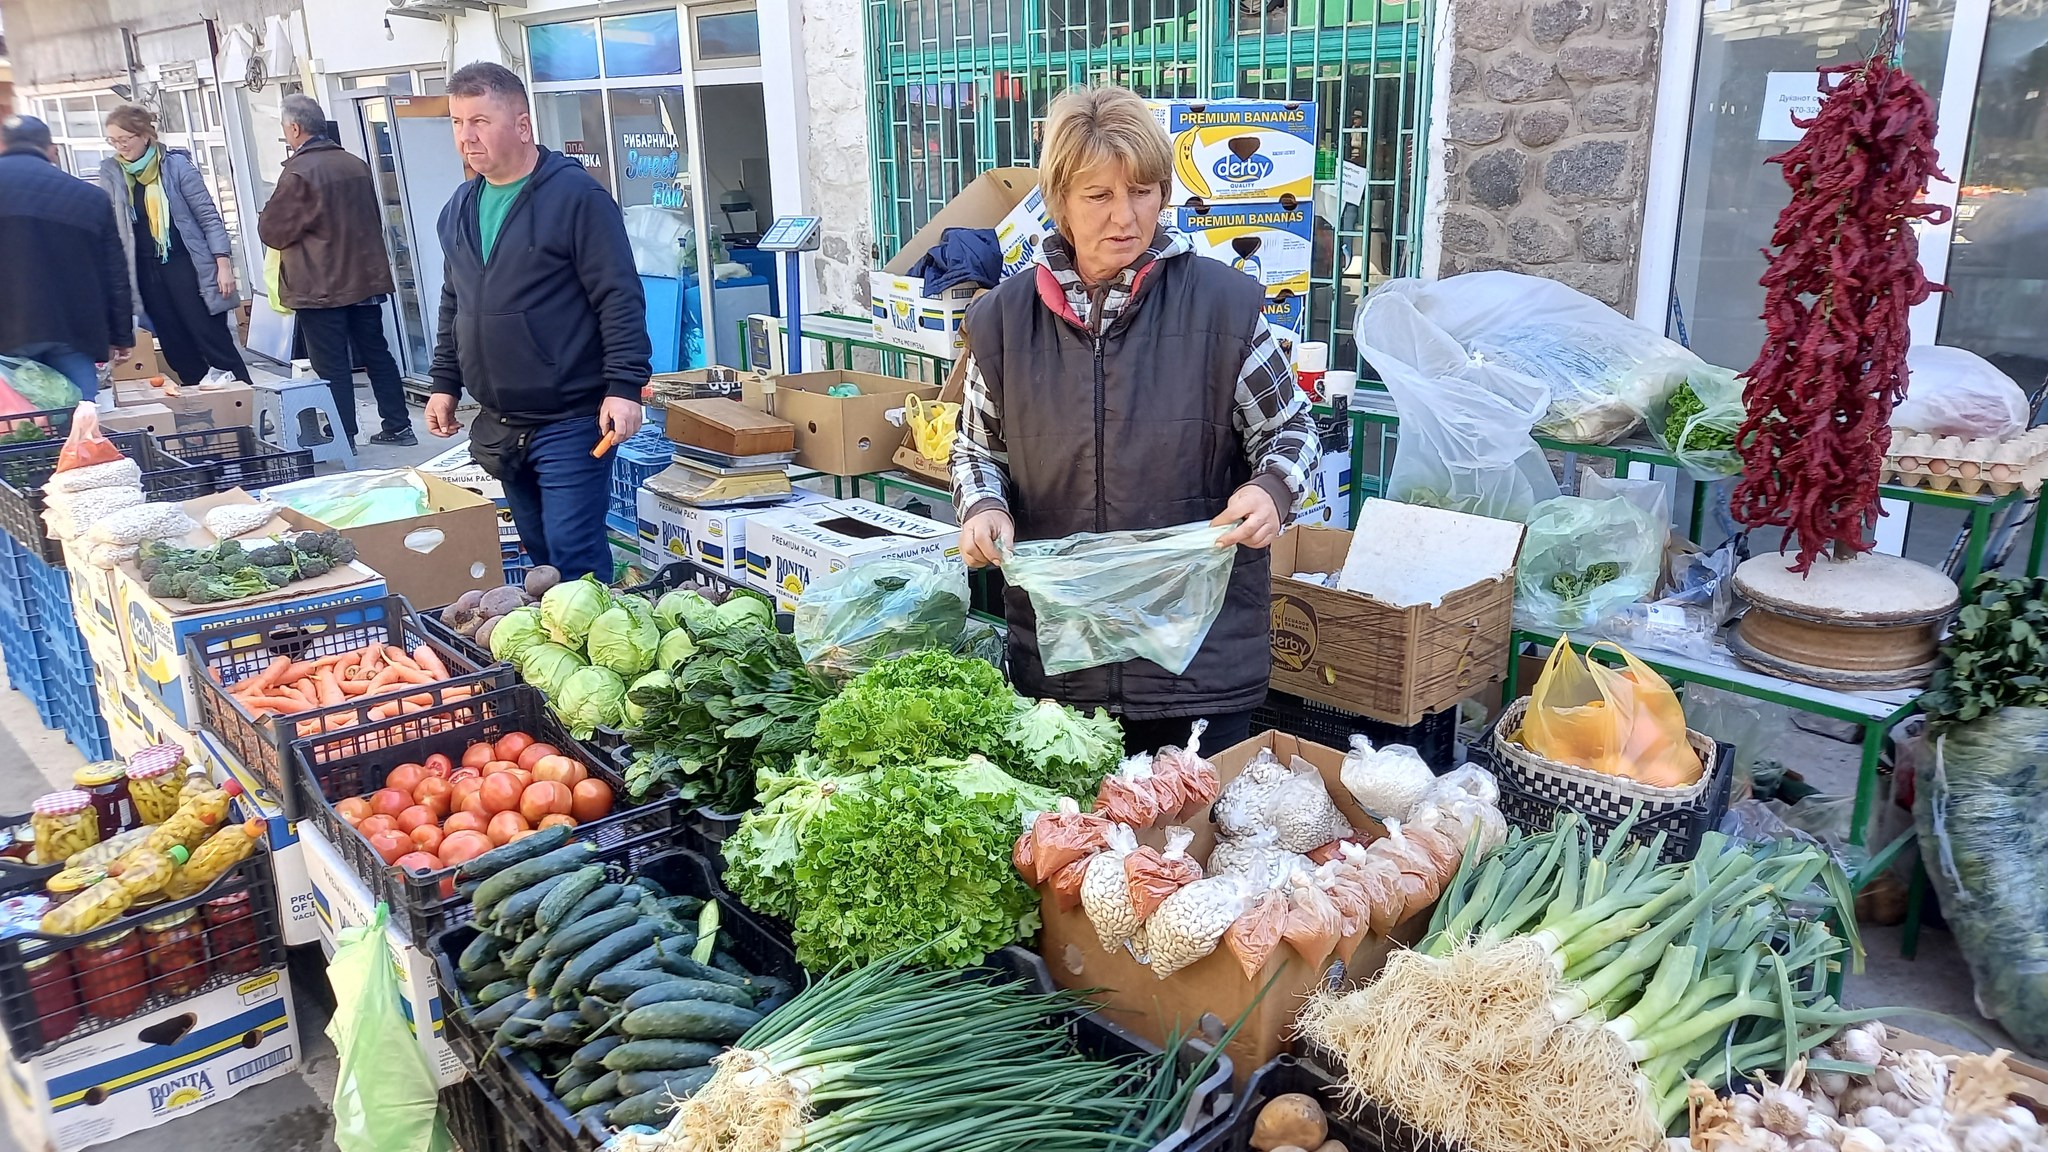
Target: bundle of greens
1995, 655
1564, 997
1569, 584
909, 710
888, 1059
230, 570
1706, 436
761, 854
1050, 744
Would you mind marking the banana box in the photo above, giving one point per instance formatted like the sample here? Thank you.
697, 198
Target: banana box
787, 551
1240, 149
1021, 233
1286, 312
1271, 243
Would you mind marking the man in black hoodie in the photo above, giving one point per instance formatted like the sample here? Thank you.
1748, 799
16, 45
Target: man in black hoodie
542, 320
64, 278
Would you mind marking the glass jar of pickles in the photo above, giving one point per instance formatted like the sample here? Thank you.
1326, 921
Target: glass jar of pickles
154, 783
106, 781
65, 822
71, 881
175, 944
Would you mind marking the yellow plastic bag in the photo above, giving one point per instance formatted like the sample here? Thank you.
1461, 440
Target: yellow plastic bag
933, 424
1621, 721
273, 281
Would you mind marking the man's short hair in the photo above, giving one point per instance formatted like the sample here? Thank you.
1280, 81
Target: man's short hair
24, 132
486, 79
305, 112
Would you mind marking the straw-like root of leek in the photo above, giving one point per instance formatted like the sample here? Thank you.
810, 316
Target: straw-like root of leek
1466, 1046
746, 1106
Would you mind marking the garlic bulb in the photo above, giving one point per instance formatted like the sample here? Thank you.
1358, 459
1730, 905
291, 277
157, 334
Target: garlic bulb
1881, 1120
1812, 1144
1896, 1104
1833, 1084
1784, 1111
1823, 1103
1748, 1110
1857, 1098
1921, 1138
1987, 1134
1861, 1140
1918, 1075
1863, 1045
1819, 1127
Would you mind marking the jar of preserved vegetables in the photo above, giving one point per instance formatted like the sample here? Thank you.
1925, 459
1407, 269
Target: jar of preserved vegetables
154, 783
113, 978
175, 944
65, 822
231, 934
106, 781
51, 993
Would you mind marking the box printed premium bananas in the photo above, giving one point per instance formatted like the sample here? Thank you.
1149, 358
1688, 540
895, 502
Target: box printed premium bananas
1240, 149
1270, 243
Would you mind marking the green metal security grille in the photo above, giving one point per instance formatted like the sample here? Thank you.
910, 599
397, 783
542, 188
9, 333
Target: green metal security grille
961, 86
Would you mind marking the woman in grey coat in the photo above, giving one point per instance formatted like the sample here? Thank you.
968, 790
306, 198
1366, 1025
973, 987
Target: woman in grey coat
177, 247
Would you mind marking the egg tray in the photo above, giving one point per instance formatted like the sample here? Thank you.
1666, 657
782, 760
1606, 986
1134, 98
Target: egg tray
1968, 466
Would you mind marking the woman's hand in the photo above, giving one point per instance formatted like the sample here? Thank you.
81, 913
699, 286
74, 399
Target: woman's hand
1260, 520
224, 276
984, 536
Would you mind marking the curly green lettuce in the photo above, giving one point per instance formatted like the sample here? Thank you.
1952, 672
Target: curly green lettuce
919, 707
1067, 751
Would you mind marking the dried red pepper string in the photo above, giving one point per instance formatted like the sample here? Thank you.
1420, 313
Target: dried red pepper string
1845, 273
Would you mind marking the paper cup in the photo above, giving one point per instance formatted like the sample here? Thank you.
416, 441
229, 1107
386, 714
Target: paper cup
1340, 384
1311, 356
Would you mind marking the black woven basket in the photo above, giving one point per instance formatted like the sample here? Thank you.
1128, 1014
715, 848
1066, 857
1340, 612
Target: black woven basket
25, 468
240, 457
225, 655
355, 761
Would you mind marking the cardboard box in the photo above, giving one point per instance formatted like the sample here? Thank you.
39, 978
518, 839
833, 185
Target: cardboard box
341, 900
153, 418
728, 426
1268, 242
141, 1073
1133, 996
1020, 233
846, 435
135, 720
907, 456
1328, 503
1394, 662
1286, 312
92, 606
295, 903
433, 558
1240, 149
141, 362
906, 315
715, 538
749, 388
193, 410
787, 550
455, 467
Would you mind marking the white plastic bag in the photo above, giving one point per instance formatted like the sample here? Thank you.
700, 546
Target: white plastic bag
1955, 392
1103, 598
1584, 559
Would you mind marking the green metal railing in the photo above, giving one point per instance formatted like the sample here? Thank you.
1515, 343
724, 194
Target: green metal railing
960, 86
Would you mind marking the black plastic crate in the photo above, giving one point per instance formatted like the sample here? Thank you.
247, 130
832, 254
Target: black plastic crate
77, 994
473, 1122
1434, 737
241, 458
354, 762
519, 1091
712, 585
55, 422
25, 468
223, 656
709, 827
1362, 1126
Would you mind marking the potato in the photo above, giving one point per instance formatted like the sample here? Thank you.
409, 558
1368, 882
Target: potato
1293, 1120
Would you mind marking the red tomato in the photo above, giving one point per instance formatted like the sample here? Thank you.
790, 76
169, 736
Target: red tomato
419, 862
439, 805
560, 769
439, 765
551, 821
371, 825
500, 793
405, 778
353, 809
461, 787
414, 817
523, 776
534, 752
390, 845
544, 798
465, 822
431, 786
590, 800
427, 837
476, 755
462, 847
473, 802
390, 801
497, 766
511, 744
465, 774
505, 825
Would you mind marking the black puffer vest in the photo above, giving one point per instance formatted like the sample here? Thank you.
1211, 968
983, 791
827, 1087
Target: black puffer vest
1130, 430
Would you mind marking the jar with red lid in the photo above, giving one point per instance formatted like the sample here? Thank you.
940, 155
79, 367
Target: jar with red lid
175, 945
154, 784
231, 934
113, 978
106, 782
65, 822
52, 994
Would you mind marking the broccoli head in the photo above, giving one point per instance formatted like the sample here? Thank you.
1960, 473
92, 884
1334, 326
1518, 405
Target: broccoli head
167, 585
206, 571
271, 555
207, 592
278, 575
343, 550
148, 567
228, 552
313, 564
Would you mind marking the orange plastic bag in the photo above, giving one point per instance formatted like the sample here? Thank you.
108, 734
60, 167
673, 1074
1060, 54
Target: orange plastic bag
86, 444
1129, 795
1066, 883
1152, 875
1061, 837
1312, 924
1621, 721
1253, 936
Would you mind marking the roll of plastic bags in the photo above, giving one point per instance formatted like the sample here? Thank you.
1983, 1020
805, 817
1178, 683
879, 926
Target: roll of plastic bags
1103, 598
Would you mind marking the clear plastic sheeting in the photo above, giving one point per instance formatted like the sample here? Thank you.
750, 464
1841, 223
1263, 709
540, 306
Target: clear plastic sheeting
857, 617
354, 499
1103, 598
1584, 559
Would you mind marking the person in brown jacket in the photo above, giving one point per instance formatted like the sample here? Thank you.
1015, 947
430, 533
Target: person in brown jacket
325, 222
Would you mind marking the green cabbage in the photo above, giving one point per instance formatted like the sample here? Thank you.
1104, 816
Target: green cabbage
547, 665
515, 632
591, 698
634, 713
744, 609
675, 648
623, 640
683, 608
568, 609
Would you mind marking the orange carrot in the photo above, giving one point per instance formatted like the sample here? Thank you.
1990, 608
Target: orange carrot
397, 656
328, 688
384, 711
355, 687
271, 674
430, 662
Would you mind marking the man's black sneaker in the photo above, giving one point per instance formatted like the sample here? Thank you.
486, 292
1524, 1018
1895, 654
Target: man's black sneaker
403, 436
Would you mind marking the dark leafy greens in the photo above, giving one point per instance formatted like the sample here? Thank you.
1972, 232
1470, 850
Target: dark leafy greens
1996, 656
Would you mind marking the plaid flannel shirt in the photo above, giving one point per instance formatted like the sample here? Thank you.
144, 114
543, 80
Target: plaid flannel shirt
1271, 412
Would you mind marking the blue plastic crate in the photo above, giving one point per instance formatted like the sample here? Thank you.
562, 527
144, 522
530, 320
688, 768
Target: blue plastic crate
79, 719
638, 459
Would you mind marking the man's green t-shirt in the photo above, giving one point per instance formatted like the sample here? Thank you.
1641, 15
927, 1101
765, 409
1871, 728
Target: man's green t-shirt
492, 202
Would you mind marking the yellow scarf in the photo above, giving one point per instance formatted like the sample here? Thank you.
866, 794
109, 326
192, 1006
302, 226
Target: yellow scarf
146, 171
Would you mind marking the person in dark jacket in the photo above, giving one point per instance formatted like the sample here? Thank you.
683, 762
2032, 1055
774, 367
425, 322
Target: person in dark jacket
64, 297
1125, 383
328, 229
542, 321
178, 248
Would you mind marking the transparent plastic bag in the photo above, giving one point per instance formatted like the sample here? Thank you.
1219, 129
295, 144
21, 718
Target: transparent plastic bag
1242, 804
1387, 782
1063, 836
1698, 418
1302, 811
1153, 874
1592, 363
1955, 392
852, 619
385, 1099
1191, 779
1103, 598
1192, 921
354, 499
1105, 894
1584, 559
86, 445
1465, 421
1623, 722
1128, 795
1980, 804
40, 387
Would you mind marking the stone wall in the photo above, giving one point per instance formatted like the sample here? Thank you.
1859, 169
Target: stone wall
1547, 139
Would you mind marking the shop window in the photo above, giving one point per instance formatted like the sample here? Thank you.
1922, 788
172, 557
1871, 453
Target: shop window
573, 123
653, 157
645, 44
728, 37
565, 51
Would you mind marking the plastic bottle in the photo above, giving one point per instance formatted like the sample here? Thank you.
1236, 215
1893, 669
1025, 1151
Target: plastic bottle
195, 819
144, 872
222, 851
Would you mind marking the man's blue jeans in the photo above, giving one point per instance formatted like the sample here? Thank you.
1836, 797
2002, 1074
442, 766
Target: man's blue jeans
559, 494
76, 367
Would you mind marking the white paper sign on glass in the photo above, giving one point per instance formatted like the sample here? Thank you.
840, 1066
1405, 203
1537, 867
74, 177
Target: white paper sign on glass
1788, 94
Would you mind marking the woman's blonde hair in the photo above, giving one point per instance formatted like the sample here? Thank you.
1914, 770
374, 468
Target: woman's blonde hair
133, 118
1089, 127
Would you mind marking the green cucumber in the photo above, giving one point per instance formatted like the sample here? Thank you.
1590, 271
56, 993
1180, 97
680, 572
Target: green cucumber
529, 950
494, 992
489, 1019
523, 1021
689, 1020
573, 938
680, 1082
601, 1090
480, 952
682, 965
565, 1027
490, 973
603, 897
575, 886
617, 984
680, 988
518, 908
592, 1055
602, 955
573, 1077
651, 1108
657, 1055
529, 872
519, 851
593, 1116
542, 979
729, 963
594, 1011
